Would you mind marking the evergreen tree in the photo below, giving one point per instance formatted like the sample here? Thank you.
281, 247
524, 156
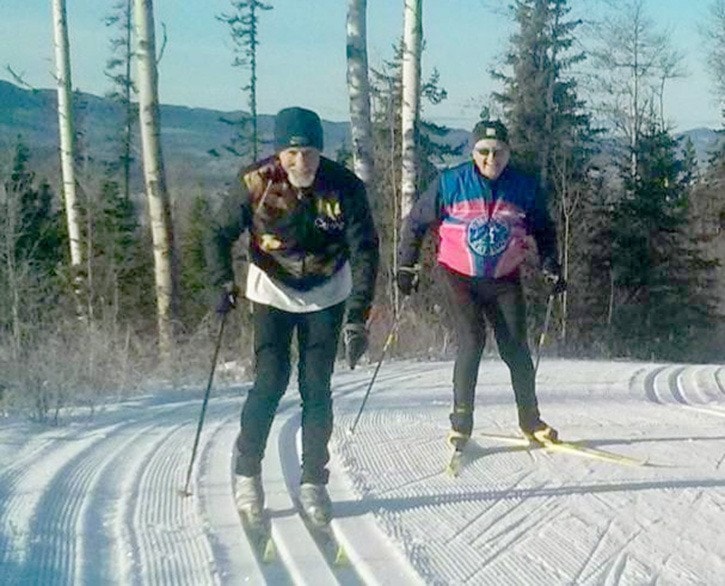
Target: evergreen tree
122, 266
665, 304
33, 242
118, 70
243, 25
550, 132
195, 286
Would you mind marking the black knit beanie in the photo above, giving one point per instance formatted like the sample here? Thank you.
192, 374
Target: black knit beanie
491, 129
297, 127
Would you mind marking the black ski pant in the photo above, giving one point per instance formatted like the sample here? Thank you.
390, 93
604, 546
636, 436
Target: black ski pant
472, 302
318, 333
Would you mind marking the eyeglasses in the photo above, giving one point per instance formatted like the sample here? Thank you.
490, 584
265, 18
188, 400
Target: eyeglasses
484, 152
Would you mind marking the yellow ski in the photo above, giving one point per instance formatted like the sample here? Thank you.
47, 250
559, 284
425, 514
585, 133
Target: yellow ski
567, 447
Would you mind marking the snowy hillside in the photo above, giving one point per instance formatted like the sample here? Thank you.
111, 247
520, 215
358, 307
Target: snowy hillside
97, 501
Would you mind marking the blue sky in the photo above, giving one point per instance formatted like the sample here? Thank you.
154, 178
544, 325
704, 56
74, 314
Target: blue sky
302, 52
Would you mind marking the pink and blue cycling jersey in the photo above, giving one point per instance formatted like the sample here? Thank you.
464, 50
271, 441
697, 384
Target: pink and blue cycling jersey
484, 227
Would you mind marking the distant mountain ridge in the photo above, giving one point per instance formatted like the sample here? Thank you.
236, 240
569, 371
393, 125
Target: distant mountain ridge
188, 135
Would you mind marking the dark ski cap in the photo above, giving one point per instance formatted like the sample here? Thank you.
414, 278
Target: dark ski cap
297, 127
489, 129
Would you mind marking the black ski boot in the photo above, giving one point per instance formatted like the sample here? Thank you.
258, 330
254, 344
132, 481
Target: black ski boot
540, 432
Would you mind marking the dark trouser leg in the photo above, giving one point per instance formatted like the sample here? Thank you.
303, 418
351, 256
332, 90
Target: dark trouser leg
317, 335
272, 338
470, 329
507, 314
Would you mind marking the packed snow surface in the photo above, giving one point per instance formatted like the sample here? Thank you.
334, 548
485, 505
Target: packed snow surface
97, 500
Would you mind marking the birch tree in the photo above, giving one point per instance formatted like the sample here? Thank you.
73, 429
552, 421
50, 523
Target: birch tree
65, 126
159, 204
715, 39
412, 43
632, 65
358, 85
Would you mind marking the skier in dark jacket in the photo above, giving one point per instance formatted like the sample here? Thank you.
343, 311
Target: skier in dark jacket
485, 213
313, 264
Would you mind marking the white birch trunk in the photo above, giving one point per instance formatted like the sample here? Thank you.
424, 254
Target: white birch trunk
65, 125
412, 38
358, 85
159, 204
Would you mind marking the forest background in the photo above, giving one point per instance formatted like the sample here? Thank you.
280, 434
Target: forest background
640, 208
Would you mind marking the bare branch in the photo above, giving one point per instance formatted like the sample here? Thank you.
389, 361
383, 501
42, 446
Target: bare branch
20, 78
164, 40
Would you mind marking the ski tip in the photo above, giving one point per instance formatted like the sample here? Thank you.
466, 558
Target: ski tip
341, 558
269, 554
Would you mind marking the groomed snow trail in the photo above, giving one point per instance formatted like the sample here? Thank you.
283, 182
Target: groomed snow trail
529, 517
98, 501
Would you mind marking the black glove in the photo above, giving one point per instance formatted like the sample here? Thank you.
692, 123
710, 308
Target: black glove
227, 299
355, 338
551, 270
407, 279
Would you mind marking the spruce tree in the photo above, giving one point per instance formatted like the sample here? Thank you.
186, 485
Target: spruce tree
33, 242
551, 135
118, 70
665, 306
243, 25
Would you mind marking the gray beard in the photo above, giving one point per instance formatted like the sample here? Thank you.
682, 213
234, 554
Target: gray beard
300, 181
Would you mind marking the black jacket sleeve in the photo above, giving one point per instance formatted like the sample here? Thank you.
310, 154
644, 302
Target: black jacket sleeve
228, 224
543, 228
425, 212
364, 247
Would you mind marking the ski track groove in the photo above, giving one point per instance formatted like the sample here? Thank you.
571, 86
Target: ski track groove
20, 510
75, 458
664, 385
63, 518
720, 379
650, 387
456, 534
100, 507
674, 385
56, 547
138, 505
128, 478
233, 555
166, 556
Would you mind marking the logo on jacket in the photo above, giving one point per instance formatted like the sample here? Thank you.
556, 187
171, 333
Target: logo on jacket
329, 218
488, 236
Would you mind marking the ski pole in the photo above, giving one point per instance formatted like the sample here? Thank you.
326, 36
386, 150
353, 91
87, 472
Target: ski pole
545, 329
388, 341
204, 404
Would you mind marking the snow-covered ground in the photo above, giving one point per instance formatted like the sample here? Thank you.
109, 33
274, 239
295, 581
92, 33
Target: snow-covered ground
97, 500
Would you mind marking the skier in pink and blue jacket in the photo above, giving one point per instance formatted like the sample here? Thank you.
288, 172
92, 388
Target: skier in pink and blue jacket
488, 215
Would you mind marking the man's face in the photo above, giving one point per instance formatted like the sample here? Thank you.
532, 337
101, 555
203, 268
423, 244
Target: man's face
491, 157
301, 165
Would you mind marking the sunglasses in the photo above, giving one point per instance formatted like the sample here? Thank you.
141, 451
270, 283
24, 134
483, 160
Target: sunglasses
484, 152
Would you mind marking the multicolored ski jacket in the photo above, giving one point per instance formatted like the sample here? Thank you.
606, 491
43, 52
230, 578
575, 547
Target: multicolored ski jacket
484, 226
299, 236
